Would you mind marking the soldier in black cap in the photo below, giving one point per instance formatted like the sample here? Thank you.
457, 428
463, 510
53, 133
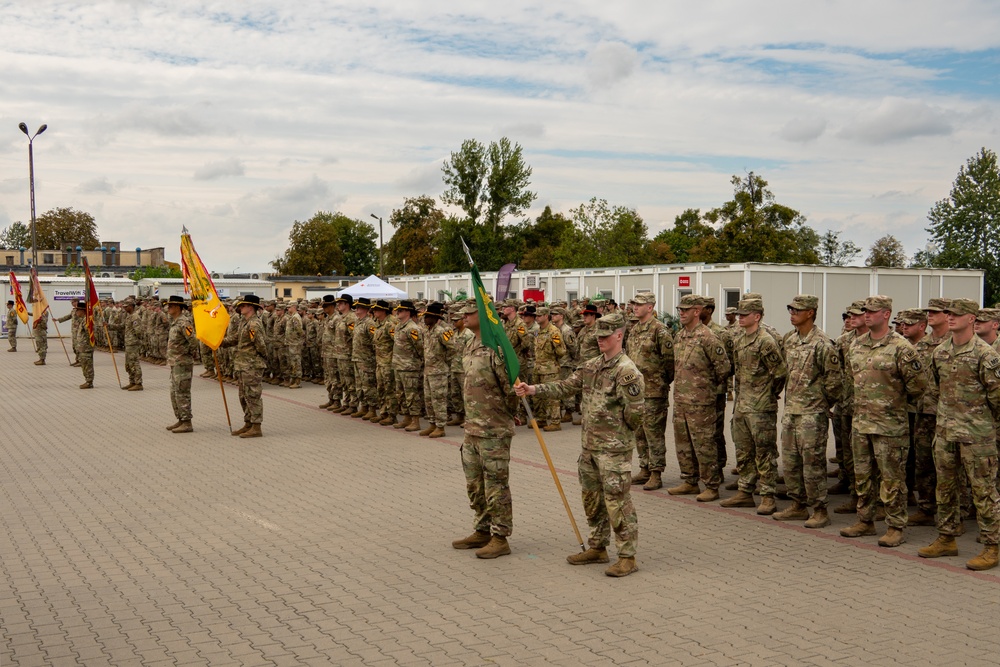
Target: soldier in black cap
182, 346
408, 365
331, 371
437, 369
342, 343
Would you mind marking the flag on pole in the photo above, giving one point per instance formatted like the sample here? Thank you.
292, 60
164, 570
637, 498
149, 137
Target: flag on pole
15, 287
38, 298
91, 300
490, 327
503, 281
211, 319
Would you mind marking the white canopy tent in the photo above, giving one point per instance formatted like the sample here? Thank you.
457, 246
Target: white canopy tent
374, 287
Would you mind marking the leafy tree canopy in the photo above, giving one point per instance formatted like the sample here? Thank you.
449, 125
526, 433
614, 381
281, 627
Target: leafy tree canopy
886, 251
61, 228
16, 235
329, 243
488, 183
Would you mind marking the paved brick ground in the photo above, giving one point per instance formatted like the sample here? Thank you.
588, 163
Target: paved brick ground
327, 542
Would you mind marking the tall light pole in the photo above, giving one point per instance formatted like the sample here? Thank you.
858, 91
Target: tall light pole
381, 268
31, 181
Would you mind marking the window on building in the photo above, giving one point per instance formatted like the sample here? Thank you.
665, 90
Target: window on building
48, 258
605, 294
440, 295
732, 298
420, 295
287, 292
10, 260
572, 296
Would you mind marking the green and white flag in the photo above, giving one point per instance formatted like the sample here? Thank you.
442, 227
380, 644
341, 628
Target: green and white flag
490, 326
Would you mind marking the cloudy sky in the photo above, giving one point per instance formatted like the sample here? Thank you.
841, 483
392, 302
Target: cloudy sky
238, 118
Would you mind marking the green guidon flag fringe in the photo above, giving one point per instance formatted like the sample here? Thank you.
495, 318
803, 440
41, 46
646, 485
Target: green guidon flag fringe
490, 326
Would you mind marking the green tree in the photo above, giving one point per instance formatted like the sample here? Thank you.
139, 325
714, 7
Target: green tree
329, 243
886, 251
16, 235
64, 227
417, 224
603, 235
675, 244
155, 272
543, 237
965, 226
834, 252
489, 183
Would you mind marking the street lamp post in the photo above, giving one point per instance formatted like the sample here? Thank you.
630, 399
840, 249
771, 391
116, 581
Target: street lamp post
381, 268
31, 181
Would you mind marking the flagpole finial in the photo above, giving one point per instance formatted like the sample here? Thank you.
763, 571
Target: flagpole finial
184, 229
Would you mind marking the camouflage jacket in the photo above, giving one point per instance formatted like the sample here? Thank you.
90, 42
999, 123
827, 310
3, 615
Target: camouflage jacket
814, 373
886, 373
438, 348
250, 341
295, 332
517, 334
572, 352
651, 347
927, 405
328, 335
968, 379
549, 349
408, 347
726, 336
760, 372
700, 366
11, 320
462, 340
131, 326
843, 345
182, 345
343, 337
611, 403
489, 402
383, 343
363, 342
587, 344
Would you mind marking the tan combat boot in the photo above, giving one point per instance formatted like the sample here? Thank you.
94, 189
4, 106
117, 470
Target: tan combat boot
246, 427
87, 385
850, 506
623, 568
474, 541
388, 420
136, 387
326, 405
185, 427
553, 427
920, 518
654, 482
859, 529
893, 538
40, 362
284, 383
334, 406
819, 519
684, 489
295, 384
371, 415
642, 477
360, 412
707, 496
454, 421
253, 432
794, 512
438, 432
986, 560
944, 545
407, 420
414, 425
567, 417
497, 547
427, 431
591, 555
741, 499
128, 386
577, 419
173, 426
767, 506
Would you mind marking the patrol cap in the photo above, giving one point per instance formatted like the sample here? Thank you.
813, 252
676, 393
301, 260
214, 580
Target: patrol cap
609, 324
748, 306
690, 301
856, 307
962, 307
509, 303
937, 305
543, 311
753, 295
912, 316
805, 302
468, 308
988, 315
709, 301
731, 310
877, 303
645, 297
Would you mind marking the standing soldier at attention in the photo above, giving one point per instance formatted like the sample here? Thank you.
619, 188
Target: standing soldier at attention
73, 317
843, 413
724, 335
408, 365
40, 330
587, 337
701, 365
437, 369
331, 371
651, 348
249, 364
85, 349
295, 339
517, 334
489, 427
549, 350
131, 325
612, 389
463, 337
363, 358
967, 372
11, 326
343, 341
182, 346
385, 385
758, 381
568, 363
887, 376
813, 388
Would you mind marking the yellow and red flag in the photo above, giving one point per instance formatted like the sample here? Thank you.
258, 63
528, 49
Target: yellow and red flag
211, 319
90, 294
38, 298
15, 287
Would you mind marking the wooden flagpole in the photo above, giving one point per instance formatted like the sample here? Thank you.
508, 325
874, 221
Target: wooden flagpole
107, 335
222, 388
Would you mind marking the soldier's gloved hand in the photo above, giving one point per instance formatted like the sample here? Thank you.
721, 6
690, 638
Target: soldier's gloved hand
522, 389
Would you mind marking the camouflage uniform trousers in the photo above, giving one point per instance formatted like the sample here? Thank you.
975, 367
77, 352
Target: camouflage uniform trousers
86, 358
651, 437
41, 343
803, 453
694, 439
348, 391
486, 464
284, 368
720, 431
132, 364
843, 422
365, 385
250, 384
294, 362
161, 347
385, 386
979, 461
180, 391
12, 339
924, 474
409, 383
331, 378
880, 463
605, 480
547, 411
456, 400
436, 398
755, 435
207, 358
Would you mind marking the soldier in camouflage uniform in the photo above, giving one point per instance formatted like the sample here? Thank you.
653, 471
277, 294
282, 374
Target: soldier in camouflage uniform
517, 333
549, 351
182, 346
294, 339
343, 342
759, 378
887, 372
612, 389
249, 363
489, 427
130, 326
724, 335
408, 365
967, 372
437, 369
843, 413
569, 363
73, 317
700, 366
160, 333
987, 323
363, 358
40, 330
587, 338
813, 388
11, 326
651, 347
85, 348
327, 346
385, 381
463, 337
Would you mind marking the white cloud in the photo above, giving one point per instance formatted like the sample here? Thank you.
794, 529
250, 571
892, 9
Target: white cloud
609, 63
98, 185
219, 169
897, 119
802, 130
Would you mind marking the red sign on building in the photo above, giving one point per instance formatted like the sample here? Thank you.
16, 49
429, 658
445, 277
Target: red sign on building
684, 281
